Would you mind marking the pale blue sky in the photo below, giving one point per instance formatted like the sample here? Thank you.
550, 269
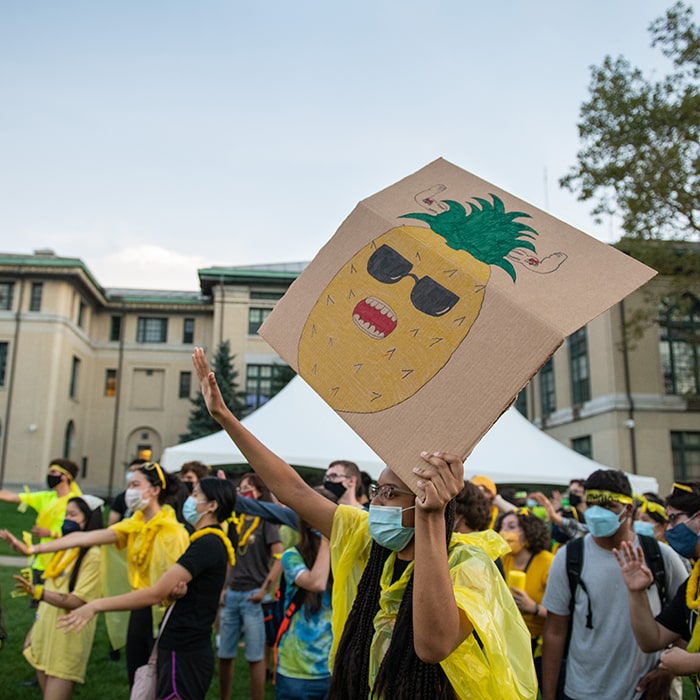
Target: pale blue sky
152, 137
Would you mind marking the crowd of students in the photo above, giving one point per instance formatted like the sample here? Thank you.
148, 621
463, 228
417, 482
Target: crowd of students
450, 590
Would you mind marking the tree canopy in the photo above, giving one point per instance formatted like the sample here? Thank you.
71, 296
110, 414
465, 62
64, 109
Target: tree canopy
200, 423
640, 154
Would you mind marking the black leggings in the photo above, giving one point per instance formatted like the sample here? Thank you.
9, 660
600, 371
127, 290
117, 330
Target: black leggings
139, 640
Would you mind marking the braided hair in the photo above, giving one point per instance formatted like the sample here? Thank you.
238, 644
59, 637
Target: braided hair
401, 673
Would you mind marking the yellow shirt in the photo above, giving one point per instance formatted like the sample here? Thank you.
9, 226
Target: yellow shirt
502, 671
52, 650
535, 583
51, 510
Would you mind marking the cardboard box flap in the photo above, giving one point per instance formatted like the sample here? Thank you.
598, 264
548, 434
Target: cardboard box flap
432, 306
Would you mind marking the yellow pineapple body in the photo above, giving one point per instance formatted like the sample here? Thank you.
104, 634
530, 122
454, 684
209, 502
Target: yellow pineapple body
365, 346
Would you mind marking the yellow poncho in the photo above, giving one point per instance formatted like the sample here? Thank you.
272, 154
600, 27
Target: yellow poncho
502, 670
151, 549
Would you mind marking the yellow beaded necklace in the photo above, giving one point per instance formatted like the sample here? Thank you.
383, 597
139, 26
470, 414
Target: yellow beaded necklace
216, 531
243, 539
60, 562
692, 599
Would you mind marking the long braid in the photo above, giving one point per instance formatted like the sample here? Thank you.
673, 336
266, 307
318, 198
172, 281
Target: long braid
401, 674
350, 680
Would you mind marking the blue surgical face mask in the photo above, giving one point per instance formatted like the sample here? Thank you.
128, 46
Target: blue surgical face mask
386, 528
682, 539
189, 511
642, 527
531, 503
602, 522
69, 526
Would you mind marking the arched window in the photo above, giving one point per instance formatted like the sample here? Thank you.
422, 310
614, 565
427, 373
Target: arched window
68, 439
679, 328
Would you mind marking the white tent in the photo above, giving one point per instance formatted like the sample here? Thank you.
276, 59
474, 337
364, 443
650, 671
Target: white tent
301, 428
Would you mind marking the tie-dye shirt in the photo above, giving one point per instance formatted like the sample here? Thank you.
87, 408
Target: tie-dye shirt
304, 648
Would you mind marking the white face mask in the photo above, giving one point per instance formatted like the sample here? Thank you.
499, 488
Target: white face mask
134, 499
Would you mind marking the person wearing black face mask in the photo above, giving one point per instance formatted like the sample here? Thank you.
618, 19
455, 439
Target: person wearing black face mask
71, 579
342, 479
50, 506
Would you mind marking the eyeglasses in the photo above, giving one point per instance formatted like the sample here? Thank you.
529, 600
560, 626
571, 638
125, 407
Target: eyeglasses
673, 517
388, 266
335, 477
387, 491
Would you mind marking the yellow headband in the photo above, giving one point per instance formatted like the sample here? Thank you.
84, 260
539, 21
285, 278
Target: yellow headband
652, 507
61, 469
148, 466
682, 487
600, 496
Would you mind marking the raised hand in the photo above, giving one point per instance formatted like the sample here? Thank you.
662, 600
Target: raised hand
635, 572
23, 585
16, 544
207, 382
440, 480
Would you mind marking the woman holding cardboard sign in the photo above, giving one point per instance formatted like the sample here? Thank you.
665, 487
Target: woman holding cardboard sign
416, 613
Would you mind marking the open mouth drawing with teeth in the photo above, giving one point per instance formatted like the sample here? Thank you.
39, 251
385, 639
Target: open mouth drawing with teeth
374, 317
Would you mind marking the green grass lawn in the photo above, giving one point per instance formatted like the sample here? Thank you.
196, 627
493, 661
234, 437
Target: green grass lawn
105, 679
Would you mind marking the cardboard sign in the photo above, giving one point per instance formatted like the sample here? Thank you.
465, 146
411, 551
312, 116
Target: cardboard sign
434, 304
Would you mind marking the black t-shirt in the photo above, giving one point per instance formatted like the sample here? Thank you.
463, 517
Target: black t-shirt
119, 504
678, 618
190, 624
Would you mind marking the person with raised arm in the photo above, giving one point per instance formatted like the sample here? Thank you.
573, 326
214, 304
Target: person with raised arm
416, 612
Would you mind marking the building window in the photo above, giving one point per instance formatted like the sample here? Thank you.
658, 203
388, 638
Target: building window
74, 372
521, 402
680, 359
6, 291
548, 397
35, 301
583, 445
152, 330
258, 385
115, 328
81, 313
685, 447
111, 382
580, 372
256, 318
188, 331
68, 439
3, 362
185, 388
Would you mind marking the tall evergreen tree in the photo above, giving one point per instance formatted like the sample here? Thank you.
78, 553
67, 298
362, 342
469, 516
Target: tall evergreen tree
200, 423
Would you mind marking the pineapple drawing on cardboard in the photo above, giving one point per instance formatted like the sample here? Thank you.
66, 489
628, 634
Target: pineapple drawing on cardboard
395, 313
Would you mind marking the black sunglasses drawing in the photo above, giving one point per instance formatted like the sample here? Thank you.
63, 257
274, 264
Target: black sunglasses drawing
388, 266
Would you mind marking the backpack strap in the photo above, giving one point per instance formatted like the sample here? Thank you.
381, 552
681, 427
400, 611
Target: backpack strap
655, 561
574, 565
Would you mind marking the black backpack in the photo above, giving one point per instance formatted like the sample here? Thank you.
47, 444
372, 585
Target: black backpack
574, 564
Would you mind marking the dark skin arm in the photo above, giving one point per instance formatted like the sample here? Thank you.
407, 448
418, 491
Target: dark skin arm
288, 486
556, 630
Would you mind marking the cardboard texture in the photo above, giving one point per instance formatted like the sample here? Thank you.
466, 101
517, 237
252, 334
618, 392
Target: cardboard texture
434, 304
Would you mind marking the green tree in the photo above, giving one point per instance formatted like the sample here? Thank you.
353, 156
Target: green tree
640, 155
200, 423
